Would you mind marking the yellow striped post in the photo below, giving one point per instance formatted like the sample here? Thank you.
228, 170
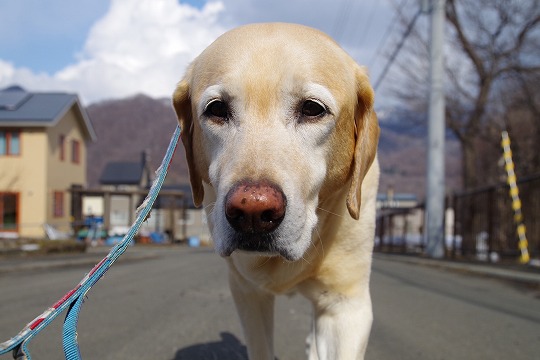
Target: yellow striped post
514, 195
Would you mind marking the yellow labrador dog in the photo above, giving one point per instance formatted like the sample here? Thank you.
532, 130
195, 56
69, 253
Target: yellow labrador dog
281, 141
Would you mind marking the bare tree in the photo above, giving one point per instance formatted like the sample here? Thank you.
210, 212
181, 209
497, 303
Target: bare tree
492, 55
521, 117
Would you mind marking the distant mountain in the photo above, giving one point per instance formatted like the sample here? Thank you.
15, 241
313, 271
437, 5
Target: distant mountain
403, 154
127, 127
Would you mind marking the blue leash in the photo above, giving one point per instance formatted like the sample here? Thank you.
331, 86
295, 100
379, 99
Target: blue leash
74, 299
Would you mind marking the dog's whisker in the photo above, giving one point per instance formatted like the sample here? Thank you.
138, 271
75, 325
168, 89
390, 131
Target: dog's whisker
264, 263
212, 204
330, 212
209, 209
320, 240
306, 260
313, 239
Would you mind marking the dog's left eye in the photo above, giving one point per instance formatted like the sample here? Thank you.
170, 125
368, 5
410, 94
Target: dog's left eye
217, 108
311, 108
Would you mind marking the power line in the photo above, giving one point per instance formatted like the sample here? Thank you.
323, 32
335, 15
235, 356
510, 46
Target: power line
368, 22
341, 20
406, 34
387, 32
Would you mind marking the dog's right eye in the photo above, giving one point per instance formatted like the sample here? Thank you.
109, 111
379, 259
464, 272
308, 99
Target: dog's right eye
218, 109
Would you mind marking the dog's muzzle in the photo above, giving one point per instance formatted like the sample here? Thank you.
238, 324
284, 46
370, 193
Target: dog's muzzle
255, 209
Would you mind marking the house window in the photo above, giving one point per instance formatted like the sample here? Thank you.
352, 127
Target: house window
58, 204
10, 143
62, 147
75, 152
9, 211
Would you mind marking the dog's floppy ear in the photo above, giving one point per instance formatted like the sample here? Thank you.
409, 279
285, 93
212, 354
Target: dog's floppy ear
182, 106
366, 140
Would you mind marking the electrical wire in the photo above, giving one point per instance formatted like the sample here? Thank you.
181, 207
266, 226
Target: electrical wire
367, 24
388, 31
406, 34
342, 19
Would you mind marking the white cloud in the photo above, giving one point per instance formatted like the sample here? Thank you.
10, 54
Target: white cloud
144, 46
139, 46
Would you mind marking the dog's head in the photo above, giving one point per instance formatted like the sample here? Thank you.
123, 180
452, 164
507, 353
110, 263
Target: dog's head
275, 118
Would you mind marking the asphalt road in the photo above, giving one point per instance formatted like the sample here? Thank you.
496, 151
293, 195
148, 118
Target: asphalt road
173, 304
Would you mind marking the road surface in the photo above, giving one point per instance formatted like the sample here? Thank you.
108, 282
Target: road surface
174, 303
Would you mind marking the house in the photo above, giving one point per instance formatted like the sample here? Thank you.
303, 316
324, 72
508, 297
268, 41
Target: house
43, 138
178, 216
125, 175
123, 186
120, 177
400, 219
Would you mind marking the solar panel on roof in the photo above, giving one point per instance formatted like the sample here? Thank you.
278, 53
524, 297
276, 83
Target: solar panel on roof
11, 100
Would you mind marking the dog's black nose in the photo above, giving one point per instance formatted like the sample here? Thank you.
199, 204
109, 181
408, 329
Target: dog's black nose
255, 207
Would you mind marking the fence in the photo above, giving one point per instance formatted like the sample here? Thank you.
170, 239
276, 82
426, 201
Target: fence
479, 224
485, 221
400, 230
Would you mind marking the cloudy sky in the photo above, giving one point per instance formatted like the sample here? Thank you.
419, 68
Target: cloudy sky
104, 49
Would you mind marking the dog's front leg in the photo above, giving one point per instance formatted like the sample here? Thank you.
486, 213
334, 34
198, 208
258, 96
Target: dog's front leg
341, 326
256, 310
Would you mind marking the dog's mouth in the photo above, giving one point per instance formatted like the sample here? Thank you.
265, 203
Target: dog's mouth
263, 244
258, 243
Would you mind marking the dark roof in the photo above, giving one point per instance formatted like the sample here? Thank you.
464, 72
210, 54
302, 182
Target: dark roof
12, 98
122, 173
186, 201
19, 108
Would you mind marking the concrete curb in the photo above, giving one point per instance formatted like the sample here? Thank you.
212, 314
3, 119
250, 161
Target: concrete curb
527, 275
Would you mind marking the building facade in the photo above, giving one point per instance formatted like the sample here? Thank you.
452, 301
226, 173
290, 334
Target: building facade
43, 139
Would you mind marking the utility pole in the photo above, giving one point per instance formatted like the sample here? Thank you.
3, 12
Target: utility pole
435, 207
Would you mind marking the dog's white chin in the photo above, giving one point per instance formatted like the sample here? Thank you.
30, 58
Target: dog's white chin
269, 254
286, 255
292, 256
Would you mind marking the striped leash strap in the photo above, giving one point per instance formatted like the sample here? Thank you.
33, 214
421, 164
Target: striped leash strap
74, 299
